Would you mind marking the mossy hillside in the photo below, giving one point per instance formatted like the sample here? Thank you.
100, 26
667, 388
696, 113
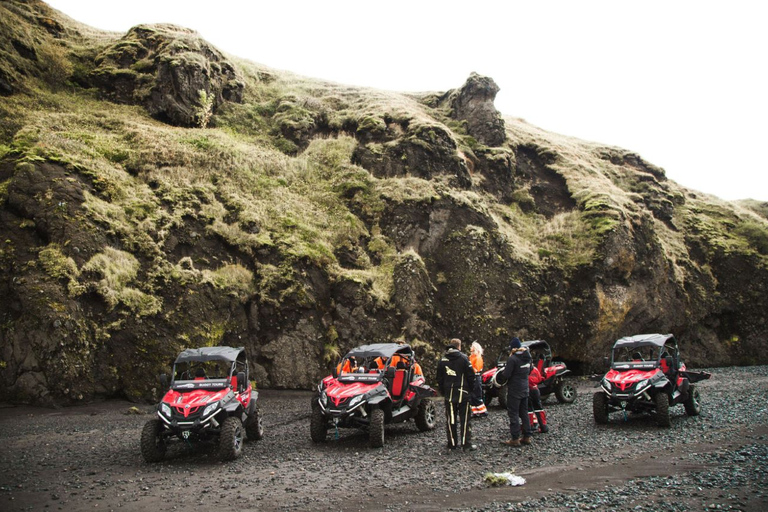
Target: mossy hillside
270, 229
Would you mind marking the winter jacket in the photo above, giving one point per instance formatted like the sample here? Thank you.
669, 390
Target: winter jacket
455, 376
516, 374
534, 378
477, 362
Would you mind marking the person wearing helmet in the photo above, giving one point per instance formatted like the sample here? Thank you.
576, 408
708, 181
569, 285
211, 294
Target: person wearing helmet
476, 400
456, 377
516, 376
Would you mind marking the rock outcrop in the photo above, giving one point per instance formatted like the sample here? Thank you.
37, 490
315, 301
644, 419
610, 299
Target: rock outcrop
473, 103
178, 77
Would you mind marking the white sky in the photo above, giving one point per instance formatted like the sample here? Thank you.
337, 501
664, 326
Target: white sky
682, 83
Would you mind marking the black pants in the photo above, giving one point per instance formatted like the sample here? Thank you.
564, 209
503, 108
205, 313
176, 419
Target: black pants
534, 400
476, 397
457, 423
517, 409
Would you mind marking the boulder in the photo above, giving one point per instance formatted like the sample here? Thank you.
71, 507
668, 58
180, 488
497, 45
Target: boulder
177, 76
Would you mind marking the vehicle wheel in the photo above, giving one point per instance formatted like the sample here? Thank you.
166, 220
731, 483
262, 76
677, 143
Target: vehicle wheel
152, 444
662, 409
692, 403
231, 438
503, 396
254, 428
565, 392
318, 428
376, 428
427, 415
600, 408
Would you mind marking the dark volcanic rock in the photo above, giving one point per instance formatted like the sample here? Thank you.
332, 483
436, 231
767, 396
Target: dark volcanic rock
166, 68
425, 152
473, 103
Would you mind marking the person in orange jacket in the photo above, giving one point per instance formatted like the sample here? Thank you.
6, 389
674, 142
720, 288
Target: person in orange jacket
476, 398
534, 399
349, 366
397, 358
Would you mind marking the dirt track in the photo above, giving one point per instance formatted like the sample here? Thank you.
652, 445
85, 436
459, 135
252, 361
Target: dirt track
87, 458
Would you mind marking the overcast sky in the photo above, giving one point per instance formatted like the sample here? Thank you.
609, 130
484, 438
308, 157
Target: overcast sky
682, 83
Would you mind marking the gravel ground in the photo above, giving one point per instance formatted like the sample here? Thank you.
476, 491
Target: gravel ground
87, 458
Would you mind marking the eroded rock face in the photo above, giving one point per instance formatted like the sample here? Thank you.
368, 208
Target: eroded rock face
425, 152
165, 68
473, 103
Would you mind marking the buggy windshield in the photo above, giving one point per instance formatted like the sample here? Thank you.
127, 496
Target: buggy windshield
375, 358
637, 355
201, 374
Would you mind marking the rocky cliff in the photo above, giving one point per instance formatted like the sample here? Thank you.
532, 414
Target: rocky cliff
157, 194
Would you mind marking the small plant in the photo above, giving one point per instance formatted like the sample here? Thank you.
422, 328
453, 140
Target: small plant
205, 110
331, 352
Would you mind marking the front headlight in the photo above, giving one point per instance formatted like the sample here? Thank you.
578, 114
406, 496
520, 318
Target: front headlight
323, 399
209, 409
642, 385
165, 409
606, 384
355, 401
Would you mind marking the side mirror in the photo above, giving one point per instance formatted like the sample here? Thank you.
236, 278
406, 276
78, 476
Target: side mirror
390, 372
163, 381
335, 373
670, 361
606, 363
241, 384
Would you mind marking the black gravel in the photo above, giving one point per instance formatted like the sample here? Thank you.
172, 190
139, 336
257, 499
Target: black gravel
88, 458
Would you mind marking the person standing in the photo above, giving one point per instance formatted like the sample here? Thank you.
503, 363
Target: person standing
455, 377
516, 375
476, 399
534, 399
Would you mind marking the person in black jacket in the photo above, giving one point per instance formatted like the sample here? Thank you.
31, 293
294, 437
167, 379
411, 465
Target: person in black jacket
516, 375
455, 377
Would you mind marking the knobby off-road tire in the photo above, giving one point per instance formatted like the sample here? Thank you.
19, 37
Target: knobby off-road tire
152, 445
692, 404
318, 428
661, 400
600, 408
376, 429
565, 392
231, 438
254, 428
503, 396
426, 417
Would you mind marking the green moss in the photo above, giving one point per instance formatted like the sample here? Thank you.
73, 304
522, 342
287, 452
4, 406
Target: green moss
117, 269
372, 125
522, 197
201, 142
331, 352
291, 116
56, 264
286, 146
211, 333
4, 191
601, 223
138, 302
143, 66
234, 279
756, 235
